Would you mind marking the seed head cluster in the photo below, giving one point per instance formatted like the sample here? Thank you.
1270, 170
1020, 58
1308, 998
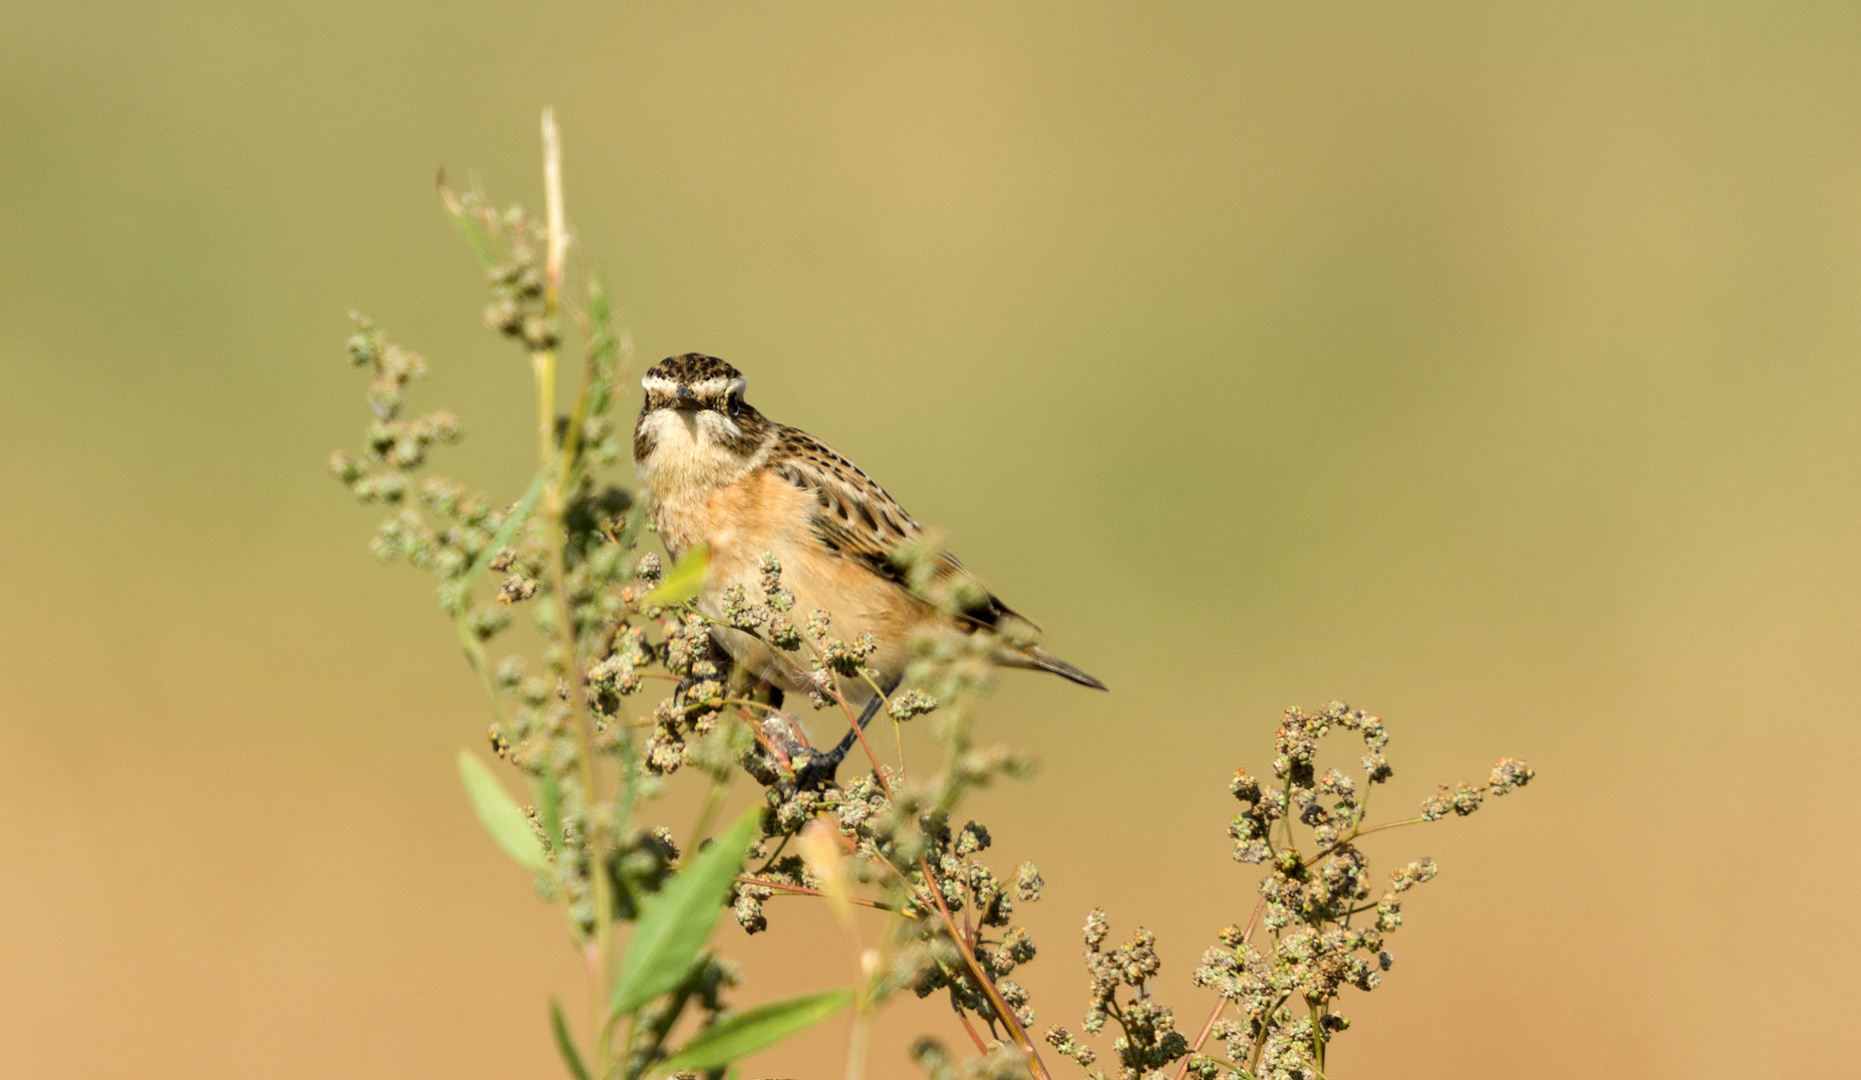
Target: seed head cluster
609, 676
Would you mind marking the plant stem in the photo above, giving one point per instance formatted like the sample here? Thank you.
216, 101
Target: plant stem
1208, 1025
552, 197
560, 463
897, 732
1363, 804
1355, 833
661, 1027
1387, 825
1260, 1040
856, 1041
475, 658
543, 365
1221, 1002
1013, 1022
802, 890
982, 1047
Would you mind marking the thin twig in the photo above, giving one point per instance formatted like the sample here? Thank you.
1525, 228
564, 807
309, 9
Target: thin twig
802, 890
1260, 1037
1035, 1065
1221, 1003
976, 1036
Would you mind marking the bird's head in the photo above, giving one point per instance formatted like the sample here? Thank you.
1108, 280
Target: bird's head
694, 404
693, 382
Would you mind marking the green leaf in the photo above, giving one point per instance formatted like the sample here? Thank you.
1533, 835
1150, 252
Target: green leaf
468, 228
742, 1035
502, 817
565, 1042
683, 581
675, 924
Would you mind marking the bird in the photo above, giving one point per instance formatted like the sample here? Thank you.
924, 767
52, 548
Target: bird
716, 472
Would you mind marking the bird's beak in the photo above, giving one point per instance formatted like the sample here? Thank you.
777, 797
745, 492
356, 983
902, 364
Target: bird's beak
684, 399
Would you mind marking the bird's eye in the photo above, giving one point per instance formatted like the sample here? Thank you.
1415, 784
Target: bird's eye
733, 393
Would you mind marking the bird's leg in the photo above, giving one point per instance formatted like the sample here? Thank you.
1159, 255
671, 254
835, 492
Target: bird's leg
823, 766
852, 736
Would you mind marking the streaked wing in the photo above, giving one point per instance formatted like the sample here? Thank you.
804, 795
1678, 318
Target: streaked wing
857, 519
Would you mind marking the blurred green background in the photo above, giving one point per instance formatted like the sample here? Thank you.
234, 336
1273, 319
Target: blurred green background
1489, 367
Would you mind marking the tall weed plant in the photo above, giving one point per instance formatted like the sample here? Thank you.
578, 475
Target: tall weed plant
623, 693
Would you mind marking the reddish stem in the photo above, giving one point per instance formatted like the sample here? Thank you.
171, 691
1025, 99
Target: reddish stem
1220, 1002
802, 890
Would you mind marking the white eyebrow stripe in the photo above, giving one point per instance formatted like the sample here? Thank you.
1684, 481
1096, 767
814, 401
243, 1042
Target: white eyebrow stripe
705, 388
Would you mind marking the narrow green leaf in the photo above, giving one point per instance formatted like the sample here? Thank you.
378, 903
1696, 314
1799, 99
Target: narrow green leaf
742, 1035
476, 240
565, 1042
501, 815
468, 228
683, 581
675, 924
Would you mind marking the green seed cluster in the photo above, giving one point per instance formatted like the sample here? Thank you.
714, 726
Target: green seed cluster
1147, 1039
1323, 930
517, 308
608, 623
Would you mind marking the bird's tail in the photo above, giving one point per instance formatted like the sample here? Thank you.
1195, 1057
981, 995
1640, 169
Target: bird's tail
1042, 660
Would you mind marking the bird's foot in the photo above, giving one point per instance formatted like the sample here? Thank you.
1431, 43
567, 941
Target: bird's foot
817, 771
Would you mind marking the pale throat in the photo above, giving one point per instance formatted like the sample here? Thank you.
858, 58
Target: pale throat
690, 457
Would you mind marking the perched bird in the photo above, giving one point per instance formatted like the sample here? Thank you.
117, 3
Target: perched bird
717, 472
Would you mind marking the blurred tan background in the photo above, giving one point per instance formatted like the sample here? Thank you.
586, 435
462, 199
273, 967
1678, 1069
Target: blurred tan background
1495, 370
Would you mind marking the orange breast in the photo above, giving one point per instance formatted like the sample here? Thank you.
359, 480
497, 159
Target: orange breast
765, 513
